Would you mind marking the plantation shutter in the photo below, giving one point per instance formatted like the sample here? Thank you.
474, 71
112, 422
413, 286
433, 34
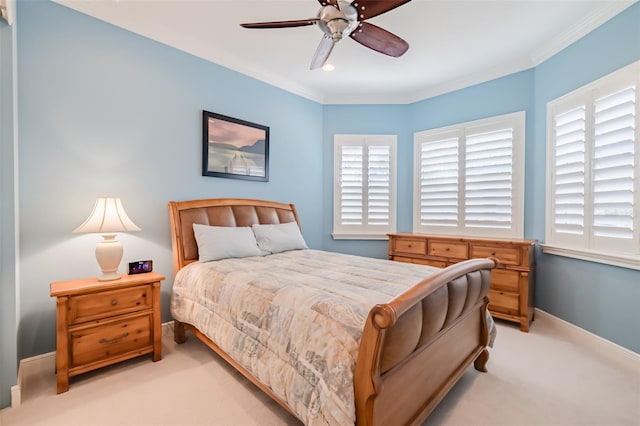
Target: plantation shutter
469, 178
351, 184
593, 186
379, 181
569, 169
364, 188
439, 182
488, 179
614, 165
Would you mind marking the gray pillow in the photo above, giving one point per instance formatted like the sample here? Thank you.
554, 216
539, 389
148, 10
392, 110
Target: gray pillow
276, 238
221, 242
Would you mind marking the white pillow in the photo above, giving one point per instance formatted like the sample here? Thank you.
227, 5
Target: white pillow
276, 238
221, 242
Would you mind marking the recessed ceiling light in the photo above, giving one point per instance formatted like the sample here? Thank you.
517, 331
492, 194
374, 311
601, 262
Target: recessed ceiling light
328, 67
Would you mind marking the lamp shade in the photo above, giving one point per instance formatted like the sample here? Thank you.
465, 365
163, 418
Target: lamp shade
108, 216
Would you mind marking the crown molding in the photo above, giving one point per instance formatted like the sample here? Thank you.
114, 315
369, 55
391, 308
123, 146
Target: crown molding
580, 29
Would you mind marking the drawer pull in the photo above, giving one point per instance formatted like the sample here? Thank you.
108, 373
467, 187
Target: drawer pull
115, 340
409, 245
447, 249
493, 253
114, 302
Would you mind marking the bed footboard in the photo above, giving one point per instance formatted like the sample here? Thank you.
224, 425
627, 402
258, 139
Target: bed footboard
416, 347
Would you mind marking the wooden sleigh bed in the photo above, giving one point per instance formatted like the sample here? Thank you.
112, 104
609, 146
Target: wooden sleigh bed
412, 349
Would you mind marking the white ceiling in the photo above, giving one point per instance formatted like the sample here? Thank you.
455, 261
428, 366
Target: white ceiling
453, 43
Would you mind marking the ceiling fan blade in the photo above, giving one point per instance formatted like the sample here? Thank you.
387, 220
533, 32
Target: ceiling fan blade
379, 40
322, 52
333, 3
281, 24
370, 8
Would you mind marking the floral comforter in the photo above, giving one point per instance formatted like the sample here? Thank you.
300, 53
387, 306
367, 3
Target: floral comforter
293, 319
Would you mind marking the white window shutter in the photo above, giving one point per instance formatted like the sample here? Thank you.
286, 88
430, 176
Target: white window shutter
351, 184
569, 171
439, 182
379, 181
364, 187
469, 178
488, 179
593, 159
614, 165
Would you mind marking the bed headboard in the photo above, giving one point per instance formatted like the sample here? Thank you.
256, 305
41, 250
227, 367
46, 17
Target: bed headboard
219, 212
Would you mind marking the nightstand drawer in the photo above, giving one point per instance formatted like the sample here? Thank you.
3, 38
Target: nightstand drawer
411, 246
448, 249
109, 340
108, 303
506, 255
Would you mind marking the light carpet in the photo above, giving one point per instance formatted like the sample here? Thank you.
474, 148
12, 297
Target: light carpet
544, 377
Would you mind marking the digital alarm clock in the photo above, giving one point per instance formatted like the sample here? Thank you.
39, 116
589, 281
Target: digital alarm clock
140, 267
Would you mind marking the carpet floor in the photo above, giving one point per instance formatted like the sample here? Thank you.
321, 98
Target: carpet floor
544, 377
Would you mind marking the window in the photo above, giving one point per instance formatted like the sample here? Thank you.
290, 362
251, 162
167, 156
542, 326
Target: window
593, 190
364, 186
469, 178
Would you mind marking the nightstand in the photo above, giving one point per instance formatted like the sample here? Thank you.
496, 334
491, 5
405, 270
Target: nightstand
99, 323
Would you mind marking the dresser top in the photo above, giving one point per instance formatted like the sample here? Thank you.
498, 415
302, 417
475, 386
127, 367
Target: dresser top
464, 239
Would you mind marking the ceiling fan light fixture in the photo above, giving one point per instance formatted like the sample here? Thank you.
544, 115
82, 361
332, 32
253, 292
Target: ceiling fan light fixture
328, 67
338, 19
336, 28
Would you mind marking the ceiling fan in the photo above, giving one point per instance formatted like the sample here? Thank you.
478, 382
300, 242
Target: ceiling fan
339, 19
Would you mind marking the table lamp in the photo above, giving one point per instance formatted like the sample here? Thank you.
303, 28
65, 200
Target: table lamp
107, 218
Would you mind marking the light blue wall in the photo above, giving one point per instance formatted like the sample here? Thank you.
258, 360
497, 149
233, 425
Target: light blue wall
8, 255
103, 111
599, 298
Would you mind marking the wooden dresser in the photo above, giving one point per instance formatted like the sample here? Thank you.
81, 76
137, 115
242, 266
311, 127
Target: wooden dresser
512, 282
99, 323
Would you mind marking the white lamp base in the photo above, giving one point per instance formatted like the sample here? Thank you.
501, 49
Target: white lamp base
109, 254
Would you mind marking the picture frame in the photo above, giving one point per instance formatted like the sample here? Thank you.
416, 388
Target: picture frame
234, 148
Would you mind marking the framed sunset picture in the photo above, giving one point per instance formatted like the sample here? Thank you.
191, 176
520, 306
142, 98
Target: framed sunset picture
234, 148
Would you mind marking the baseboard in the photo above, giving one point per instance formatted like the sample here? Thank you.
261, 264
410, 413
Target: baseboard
43, 363
611, 350
33, 365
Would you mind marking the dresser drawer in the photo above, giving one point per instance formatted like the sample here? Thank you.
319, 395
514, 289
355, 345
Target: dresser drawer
410, 246
449, 249
429, 262
505, 302
109, 340
506, 255
505, 280
108, 303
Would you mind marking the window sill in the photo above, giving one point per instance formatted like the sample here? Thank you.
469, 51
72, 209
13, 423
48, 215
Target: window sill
360, 236
631, 262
